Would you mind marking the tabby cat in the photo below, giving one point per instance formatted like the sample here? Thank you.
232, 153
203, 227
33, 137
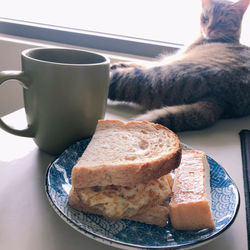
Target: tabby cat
208, 81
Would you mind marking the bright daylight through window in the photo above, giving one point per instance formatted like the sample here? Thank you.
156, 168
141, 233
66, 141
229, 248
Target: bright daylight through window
171, 21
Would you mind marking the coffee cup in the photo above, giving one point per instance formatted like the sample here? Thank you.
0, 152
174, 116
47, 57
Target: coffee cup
65, 94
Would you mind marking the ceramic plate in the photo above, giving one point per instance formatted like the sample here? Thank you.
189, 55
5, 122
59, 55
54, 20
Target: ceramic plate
133, 235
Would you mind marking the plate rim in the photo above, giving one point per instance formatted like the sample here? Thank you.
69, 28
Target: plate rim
125, 245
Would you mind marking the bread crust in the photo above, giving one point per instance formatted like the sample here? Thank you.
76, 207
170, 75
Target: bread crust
128, 174
155, 215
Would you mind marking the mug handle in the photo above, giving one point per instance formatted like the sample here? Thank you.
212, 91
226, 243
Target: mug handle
17, 75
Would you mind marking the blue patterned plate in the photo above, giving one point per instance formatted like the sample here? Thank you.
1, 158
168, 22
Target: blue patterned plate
133, 235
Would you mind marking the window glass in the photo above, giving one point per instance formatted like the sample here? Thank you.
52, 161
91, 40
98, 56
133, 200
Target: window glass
173, 21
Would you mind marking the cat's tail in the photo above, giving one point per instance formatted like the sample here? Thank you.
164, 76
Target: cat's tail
185, 117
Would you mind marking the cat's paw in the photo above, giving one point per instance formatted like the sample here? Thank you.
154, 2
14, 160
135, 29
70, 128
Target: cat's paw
125, 65
119, 65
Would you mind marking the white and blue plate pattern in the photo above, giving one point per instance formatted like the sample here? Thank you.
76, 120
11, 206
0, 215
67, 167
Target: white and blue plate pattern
134, 235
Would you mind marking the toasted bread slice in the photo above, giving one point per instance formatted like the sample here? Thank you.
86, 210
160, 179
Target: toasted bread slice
126, 154
190, 206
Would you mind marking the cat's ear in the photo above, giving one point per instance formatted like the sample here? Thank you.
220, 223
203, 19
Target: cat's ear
205, 2
242, 5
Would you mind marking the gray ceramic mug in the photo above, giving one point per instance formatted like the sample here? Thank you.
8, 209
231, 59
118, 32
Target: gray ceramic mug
65, 93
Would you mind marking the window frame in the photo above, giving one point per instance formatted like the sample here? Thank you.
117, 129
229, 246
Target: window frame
87, 39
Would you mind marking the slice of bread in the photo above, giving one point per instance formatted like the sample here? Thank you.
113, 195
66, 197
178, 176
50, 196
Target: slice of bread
155, 215
125, 154
190, 206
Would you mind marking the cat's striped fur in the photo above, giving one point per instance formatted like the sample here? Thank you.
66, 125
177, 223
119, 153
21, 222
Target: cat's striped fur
208, 81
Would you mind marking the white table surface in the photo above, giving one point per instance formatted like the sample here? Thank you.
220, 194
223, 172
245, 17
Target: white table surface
28, 222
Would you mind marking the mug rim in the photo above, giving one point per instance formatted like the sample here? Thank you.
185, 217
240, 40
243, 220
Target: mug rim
26, 53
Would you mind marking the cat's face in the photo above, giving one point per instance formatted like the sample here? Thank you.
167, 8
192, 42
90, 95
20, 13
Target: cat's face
221, 19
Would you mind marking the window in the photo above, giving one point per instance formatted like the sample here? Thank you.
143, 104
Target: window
135, 24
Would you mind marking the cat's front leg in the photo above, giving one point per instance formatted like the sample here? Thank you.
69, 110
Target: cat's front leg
123, 83
133, 85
